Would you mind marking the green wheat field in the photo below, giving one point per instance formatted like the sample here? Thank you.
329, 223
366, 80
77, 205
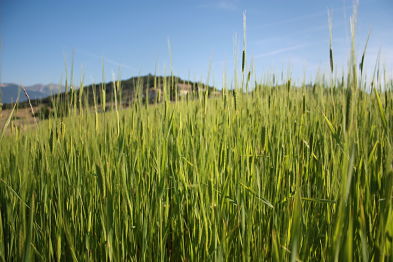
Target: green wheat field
260, 172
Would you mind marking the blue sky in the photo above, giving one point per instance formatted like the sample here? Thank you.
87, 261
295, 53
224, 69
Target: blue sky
195, 39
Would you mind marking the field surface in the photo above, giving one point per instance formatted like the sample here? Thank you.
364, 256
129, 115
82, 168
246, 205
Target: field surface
275, 174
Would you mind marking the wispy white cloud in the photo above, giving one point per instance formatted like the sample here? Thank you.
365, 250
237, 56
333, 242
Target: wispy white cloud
298, 18
230, 5
265, 40
296, 34
280, 51
291, 20
105, 59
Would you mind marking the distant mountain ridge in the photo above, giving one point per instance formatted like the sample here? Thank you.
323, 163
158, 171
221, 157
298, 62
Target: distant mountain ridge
9, 92
149, 85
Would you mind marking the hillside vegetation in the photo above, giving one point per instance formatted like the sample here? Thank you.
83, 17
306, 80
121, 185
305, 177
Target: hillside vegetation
126, 90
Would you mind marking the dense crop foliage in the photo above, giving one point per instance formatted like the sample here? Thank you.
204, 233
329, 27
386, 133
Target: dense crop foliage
277, 173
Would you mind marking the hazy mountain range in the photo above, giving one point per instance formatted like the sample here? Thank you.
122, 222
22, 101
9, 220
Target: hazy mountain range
9, 92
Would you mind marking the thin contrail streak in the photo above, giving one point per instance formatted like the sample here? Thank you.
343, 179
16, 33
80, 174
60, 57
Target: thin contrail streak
298, 18
107, 60
280, 51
